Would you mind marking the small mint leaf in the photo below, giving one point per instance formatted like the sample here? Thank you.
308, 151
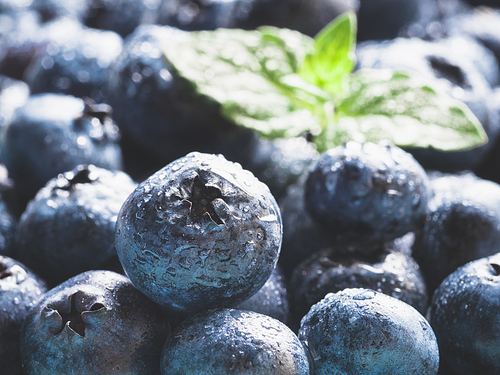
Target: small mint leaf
251, 76
377, 105
333, 54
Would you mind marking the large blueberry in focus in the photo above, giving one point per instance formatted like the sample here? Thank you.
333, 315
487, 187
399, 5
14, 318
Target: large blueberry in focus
236, 342
52, 134
463, 224
78, 66
20, 289
390, 270
363, 332
94, 323
366, 193
69, 227
200, 233
464, 316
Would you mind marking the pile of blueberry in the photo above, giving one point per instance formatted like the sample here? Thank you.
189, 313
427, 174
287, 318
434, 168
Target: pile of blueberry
142, 232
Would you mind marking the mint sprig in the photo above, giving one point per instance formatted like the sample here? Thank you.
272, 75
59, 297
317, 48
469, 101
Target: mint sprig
333, 54
281, 83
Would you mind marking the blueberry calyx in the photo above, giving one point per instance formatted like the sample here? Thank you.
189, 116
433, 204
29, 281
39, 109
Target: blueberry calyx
101, 111
4, 272
73, 318
69, 180
201, 201
496, 268
14, 273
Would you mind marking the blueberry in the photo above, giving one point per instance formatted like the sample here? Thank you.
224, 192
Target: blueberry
63, 132
69, 227
271, 299
366, 194
26, 35
200, 233
53, 9
94, 323
121, 16
390, 270
20, 289
228, 341
159, 112
463, 224
464, 316
78, 66
361, 331
481, 24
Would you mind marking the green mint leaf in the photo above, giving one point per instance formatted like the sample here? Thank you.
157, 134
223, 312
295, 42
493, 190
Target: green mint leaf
251, 76
333, 54
377, 105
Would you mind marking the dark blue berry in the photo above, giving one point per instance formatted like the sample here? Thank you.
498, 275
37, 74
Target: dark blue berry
464, 316
20, 289
78, 66
360, 331
228, 341
390, 270
69, 227
94, 323
463, 224
366, 194
63, 132
200, 233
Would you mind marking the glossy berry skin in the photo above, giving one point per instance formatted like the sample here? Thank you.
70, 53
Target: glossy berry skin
360, 331
200, 233
236, 342
20, 289
366, 193
69, 227
389, 270
464, 316
94, 323
78, 66
271, 299
463, 224
62, 132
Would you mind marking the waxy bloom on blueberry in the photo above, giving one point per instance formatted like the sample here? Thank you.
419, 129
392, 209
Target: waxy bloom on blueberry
200, 233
